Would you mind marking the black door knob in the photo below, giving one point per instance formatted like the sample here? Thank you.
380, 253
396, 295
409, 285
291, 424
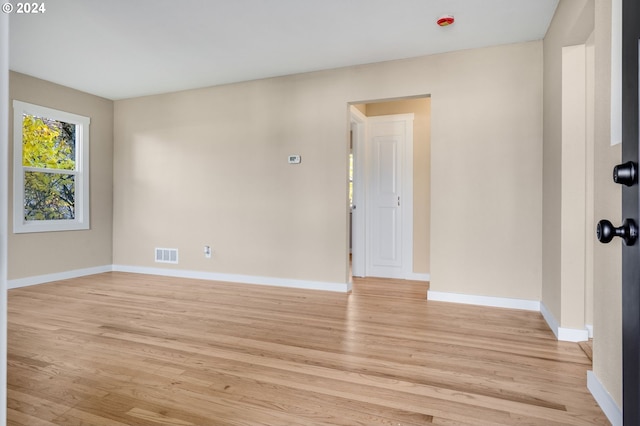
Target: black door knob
605, 231
626, 174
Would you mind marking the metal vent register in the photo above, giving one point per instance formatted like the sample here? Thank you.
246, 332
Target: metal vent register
166, 255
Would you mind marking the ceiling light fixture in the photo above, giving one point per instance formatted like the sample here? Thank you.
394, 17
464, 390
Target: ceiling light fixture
445, 20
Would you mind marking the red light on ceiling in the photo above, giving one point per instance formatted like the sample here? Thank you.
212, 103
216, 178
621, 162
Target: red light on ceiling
445, 20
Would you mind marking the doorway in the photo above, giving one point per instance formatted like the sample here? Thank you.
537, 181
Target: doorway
376, 142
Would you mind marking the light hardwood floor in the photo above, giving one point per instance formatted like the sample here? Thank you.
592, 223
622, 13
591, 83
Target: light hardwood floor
125, 349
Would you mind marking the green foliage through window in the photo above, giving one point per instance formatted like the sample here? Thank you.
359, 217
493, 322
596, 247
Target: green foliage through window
48, 154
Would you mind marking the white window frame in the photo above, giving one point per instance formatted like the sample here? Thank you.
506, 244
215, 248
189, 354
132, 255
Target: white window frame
81, 220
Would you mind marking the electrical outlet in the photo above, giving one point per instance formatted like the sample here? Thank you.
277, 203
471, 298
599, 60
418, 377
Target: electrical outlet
207, 251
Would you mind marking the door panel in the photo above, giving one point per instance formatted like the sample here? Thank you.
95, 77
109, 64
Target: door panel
387, 142
386, 247
387, 224
626, 175
630, 210
387, 166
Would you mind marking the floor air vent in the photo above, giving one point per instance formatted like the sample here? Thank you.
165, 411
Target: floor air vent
165, 255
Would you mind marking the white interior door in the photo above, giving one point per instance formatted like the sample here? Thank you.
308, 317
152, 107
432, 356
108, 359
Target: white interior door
389, 205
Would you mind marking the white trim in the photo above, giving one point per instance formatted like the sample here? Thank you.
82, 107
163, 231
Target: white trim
496, 302
234, 278
604, 399
589, 328
357, 114
407, 202
562, 333
358, 126
41, 279
211, 276
572, 334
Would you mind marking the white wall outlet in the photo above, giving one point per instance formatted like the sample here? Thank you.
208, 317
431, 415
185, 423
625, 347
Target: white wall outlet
294, 159
207, 251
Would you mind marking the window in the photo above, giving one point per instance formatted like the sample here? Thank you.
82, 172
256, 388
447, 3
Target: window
51, 169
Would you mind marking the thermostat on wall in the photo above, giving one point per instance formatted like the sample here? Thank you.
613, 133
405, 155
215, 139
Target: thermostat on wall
294, 159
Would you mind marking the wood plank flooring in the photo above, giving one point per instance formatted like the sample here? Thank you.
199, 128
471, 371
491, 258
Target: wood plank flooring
126, 349
587, 348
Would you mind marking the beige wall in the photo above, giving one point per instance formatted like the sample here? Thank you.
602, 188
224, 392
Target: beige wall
421, 108
486, 166
52, 252
572, 25
208, 166
573, 187
579, 22
607, 259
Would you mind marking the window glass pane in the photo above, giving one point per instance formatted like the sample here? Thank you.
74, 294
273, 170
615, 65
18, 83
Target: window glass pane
49, 196
48, 144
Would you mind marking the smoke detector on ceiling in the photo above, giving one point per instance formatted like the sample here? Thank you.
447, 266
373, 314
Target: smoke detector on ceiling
445, 20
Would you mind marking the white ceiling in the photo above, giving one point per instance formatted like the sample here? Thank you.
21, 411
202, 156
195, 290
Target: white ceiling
127, 48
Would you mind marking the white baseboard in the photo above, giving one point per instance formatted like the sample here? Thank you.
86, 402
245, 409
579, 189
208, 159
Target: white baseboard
242, 279
589, 328
572, 334
496, 302
245, 279
562, 333
604, 399
41, 279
